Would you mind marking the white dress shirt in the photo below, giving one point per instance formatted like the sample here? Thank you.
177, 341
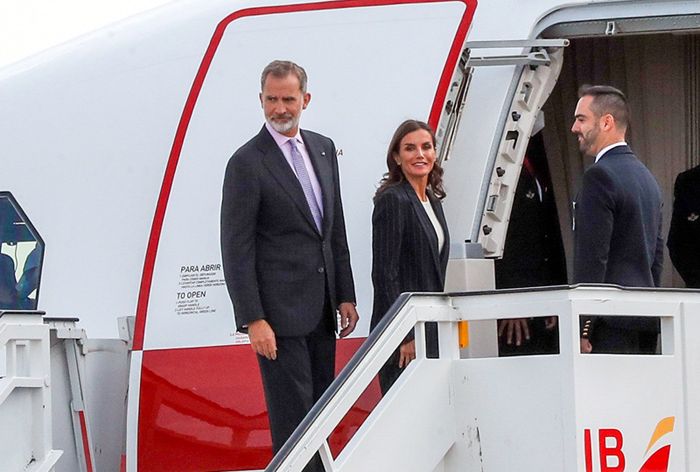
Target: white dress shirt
607, 148
282, 143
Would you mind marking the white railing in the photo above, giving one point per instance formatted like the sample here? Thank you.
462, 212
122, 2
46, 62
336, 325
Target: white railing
25, 398
408, 311
88, 394
566, 411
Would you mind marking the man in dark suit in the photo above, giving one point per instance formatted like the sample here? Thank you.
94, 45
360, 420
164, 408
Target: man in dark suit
617, 219
684, 236
285, 253
533, 255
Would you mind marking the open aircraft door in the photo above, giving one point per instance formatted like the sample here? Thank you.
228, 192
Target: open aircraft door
195, 397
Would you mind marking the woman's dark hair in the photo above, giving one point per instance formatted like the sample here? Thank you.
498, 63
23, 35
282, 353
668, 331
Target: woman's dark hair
395, 175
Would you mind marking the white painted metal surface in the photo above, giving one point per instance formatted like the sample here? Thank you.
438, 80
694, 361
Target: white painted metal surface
338, 109
25, 394
91, 124
67, 365
106, 383
88, 398
532, 91
132, 410
566, 411
110, 104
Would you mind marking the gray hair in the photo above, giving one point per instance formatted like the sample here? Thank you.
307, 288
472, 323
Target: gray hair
281, 69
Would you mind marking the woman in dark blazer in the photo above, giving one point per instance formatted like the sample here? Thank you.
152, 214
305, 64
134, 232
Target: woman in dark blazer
410, 241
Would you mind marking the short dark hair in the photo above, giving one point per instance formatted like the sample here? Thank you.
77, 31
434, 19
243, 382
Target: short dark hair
281, 69
607, 99
395, 176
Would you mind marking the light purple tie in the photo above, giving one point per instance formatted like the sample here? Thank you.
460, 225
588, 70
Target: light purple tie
305, 181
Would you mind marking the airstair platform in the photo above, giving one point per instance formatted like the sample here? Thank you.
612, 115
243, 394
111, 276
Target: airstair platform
25, 395
470, 410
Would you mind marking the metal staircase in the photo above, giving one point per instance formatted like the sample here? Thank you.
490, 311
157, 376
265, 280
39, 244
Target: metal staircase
566, 411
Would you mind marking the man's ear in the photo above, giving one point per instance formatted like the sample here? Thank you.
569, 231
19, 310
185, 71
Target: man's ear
307, 99
608, 122
261, 99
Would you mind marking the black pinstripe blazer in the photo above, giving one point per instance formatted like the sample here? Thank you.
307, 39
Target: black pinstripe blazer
405, 255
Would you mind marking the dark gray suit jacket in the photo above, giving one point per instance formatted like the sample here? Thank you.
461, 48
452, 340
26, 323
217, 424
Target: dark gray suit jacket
617, 229
684, 236
617, 232
405, 256
276, 263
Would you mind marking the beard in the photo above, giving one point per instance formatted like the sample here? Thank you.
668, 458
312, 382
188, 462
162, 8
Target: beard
587, 140
283, 123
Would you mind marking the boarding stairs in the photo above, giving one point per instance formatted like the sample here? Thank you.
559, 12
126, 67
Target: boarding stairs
470, 410
46, 367
25, 396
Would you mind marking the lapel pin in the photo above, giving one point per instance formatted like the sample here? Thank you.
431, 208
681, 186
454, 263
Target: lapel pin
323, 153
693, 217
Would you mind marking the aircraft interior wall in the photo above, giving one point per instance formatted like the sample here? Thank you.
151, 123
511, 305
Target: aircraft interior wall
660, 74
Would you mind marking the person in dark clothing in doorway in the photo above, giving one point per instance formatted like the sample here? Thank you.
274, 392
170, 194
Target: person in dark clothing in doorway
684, 236
533, 255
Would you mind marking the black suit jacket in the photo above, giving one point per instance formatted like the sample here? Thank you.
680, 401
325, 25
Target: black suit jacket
684, 236
617, 232
534, 253
617, 228
405, 255
276, 263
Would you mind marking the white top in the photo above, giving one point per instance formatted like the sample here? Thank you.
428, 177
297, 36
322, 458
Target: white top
436, 224
607, 148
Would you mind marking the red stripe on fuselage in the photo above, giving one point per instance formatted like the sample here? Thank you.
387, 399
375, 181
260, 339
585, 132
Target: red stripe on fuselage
86, 442
204, 409
157, 226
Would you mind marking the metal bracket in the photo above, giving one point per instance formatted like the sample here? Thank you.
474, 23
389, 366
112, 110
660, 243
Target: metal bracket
518, 43
538, 56
534, 86
610, 28
126, 329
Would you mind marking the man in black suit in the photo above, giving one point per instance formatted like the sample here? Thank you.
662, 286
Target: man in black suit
285, 252
533, 255
684, 236
617, 220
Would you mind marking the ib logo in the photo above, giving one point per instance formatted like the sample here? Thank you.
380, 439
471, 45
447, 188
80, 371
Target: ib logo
612, 458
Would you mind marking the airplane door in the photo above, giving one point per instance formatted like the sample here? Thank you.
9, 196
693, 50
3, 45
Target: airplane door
195, 400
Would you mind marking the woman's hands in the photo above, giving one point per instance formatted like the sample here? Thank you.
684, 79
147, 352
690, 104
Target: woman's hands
407, 352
